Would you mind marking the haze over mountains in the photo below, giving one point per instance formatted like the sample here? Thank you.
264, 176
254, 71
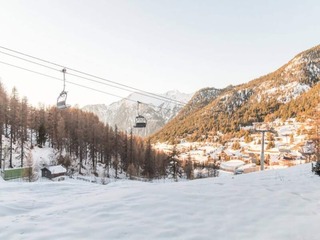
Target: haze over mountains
156, 110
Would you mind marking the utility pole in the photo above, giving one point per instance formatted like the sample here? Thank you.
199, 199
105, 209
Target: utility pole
263, 131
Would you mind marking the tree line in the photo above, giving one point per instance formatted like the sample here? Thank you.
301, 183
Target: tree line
79, 138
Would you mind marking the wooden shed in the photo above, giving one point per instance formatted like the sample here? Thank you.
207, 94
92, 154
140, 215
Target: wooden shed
53, 171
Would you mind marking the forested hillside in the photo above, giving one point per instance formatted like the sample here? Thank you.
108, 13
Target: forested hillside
77, 136
290, 91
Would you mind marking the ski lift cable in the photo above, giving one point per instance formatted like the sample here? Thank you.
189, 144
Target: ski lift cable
59, 79
29, 70
92, 80
73, 83
122, 88
141, 92
84, 73
27, 60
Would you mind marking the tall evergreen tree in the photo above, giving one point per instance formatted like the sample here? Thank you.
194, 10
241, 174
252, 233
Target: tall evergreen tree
3, 114
124, 154
23, 127
42, 135
13, 121
116, 151
174, 164
149, 167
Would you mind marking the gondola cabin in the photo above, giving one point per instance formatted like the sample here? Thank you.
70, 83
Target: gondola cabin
141, 122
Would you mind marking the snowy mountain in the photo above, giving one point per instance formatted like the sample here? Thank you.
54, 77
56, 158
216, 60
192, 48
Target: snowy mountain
276, 204
282, 93
157, 110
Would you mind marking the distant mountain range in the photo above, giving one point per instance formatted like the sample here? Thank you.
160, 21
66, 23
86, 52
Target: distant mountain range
158, 110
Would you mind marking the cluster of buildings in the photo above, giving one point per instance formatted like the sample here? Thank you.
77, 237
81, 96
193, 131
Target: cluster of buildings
288, 149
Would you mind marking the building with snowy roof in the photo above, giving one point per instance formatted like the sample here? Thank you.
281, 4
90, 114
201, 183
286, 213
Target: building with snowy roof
231, 165
53, 171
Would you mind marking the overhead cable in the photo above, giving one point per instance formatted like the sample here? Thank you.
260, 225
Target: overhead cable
73, 83
122, 86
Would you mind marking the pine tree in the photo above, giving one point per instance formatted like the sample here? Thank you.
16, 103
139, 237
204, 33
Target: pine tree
13, 121
189, 169
124, 154
3, 114
115, 151
23, 127
149, 166
42, 135
174, 164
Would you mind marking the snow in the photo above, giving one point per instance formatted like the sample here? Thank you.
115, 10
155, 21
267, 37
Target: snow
292, 90
232, 164
57, 169
275, 204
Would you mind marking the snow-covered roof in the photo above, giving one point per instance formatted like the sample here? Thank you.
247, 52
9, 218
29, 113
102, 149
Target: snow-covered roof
232, 164
57, 169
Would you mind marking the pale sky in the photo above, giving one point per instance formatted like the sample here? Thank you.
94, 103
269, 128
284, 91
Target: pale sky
152, 45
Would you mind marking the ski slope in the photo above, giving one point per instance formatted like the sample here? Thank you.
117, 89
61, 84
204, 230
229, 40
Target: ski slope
275, 204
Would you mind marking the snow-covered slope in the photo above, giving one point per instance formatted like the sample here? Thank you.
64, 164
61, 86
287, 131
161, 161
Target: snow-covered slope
276, 204
157, 111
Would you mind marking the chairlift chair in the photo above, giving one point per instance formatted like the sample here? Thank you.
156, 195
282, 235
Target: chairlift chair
61, 101
62, 98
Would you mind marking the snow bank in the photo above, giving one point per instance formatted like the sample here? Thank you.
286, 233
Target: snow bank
277, 204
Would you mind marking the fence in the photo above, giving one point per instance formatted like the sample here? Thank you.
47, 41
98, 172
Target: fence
14, 173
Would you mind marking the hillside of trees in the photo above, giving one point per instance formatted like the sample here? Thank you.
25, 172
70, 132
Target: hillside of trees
216, 116
290, 91
77, 137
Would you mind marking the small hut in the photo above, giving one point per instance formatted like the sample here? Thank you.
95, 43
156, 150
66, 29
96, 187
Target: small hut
53, 171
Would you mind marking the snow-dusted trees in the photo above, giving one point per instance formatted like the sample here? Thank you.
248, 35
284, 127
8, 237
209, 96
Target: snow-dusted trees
76, 134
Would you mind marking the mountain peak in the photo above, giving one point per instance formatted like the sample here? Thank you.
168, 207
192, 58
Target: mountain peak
157, 108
